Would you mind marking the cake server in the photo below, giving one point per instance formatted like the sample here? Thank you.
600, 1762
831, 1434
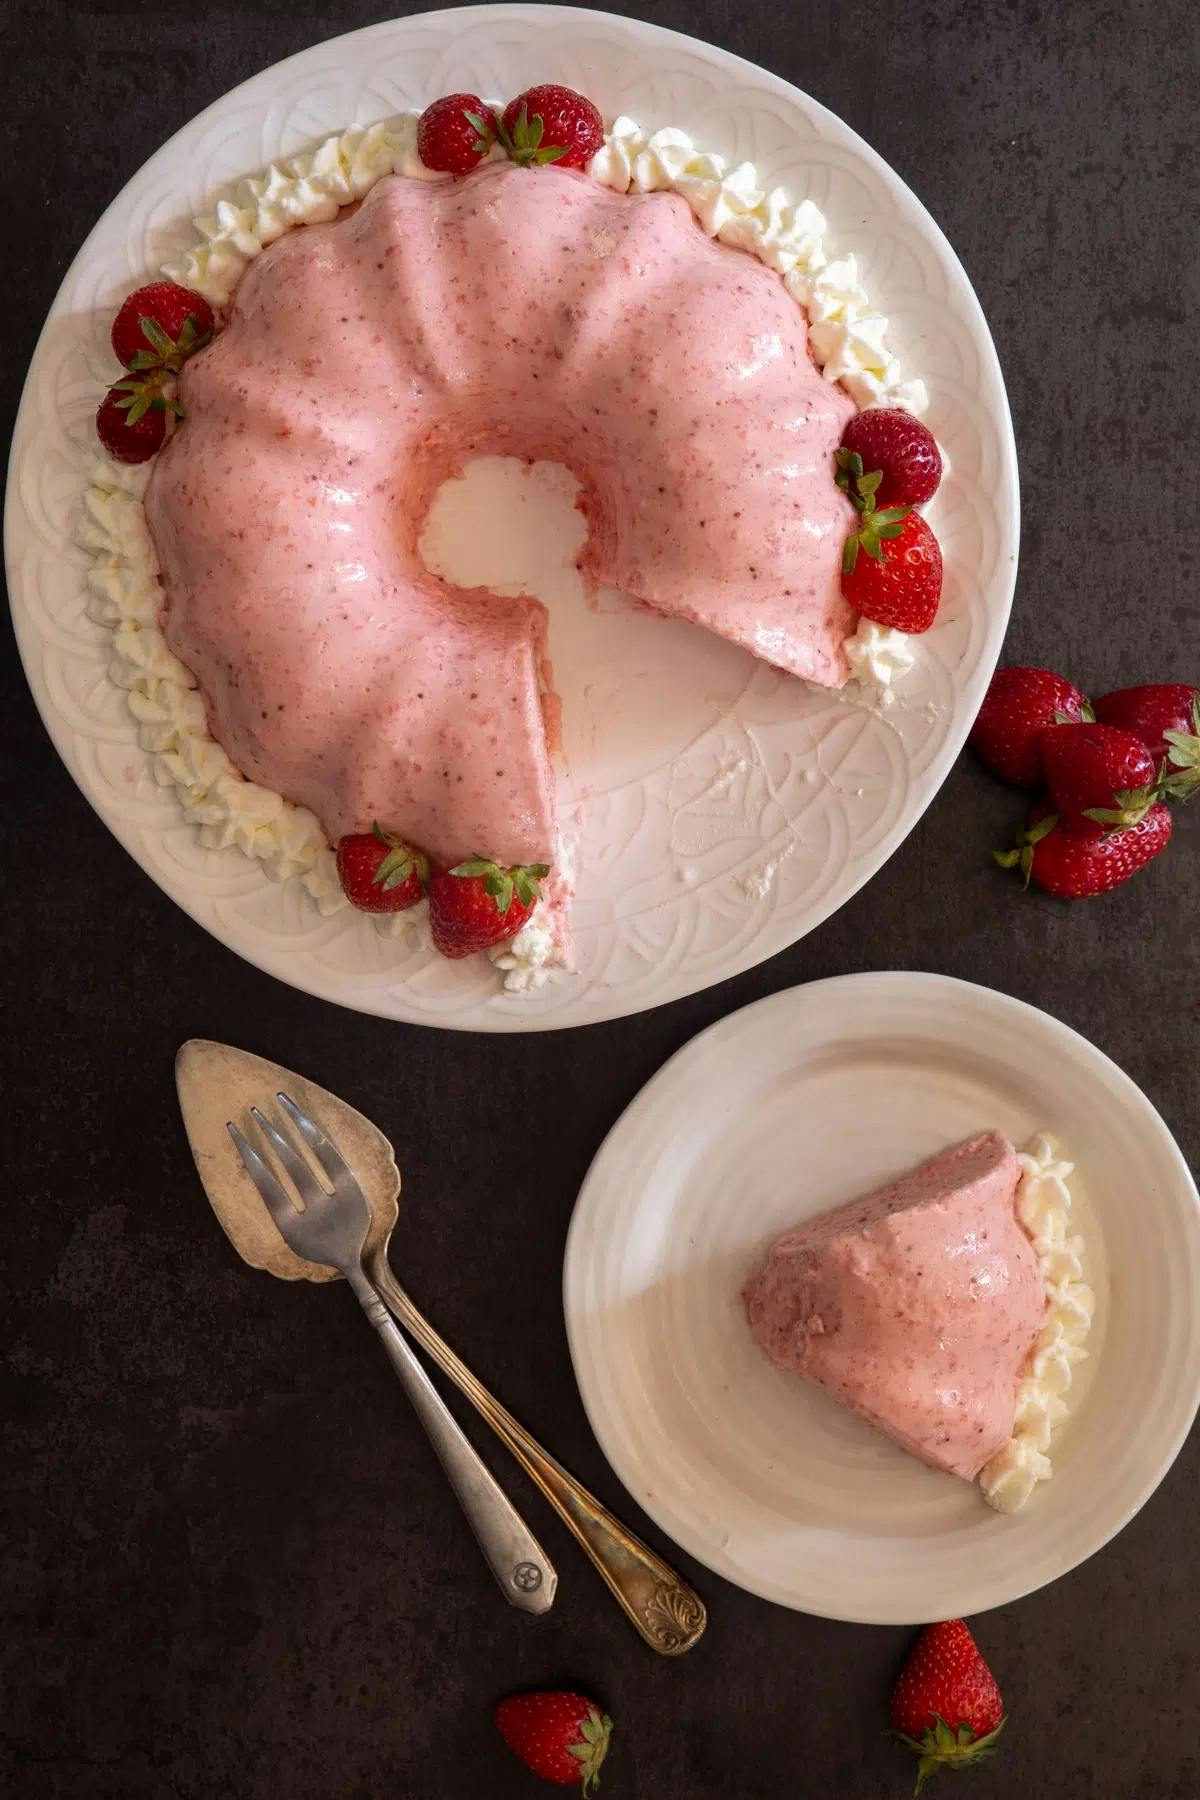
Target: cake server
217, 1083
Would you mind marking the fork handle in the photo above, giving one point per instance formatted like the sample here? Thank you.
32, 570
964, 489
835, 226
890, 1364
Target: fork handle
524, 1572
667, 1613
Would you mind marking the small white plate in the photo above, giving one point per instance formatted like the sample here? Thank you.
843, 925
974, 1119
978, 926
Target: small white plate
728, 809
786, 1109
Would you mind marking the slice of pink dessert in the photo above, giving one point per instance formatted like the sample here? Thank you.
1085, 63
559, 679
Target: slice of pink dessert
915, 1307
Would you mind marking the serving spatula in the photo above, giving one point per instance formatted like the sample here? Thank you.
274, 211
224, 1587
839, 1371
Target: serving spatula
218, 1083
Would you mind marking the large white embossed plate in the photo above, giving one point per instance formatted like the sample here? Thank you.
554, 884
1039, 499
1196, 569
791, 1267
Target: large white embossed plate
727, 809
778, 1113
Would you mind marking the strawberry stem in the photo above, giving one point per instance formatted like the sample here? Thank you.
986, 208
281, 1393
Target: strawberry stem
876, 526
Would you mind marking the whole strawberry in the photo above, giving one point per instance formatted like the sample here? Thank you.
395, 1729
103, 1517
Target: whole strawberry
899, 447
132, 420
1099, 778
1166, 716
479, 903
892, 565
160, 326
380, 873
1019, 705
551, 124
1078, 868
562, 1737
455, 133
946, 1705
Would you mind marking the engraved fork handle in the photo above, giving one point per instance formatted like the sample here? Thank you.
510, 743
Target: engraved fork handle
669, 1615
521, 1567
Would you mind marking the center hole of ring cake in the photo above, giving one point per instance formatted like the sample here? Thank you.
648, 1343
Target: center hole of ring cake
510, 526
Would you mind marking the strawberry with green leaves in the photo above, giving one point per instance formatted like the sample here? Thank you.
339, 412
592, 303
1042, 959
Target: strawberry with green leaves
479, 903
890, 441
379, 872
455, 133
946, 1705
159, 326
1100, 778
891, 564
155, 331
551, 124
1166, 716
562, 1737
1072, 867
132, 420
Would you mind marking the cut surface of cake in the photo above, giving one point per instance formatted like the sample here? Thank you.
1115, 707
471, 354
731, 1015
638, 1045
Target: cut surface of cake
366, 361
916, 1306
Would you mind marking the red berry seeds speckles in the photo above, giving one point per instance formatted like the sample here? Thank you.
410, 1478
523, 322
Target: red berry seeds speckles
892, 570
891, 561
562, 1737
946, 1705
1100, 778
159, 326
1078, 868
379, 872
1165, 715
551, 124
455, 133
132, 421
478, 904
892, 441
1019, 705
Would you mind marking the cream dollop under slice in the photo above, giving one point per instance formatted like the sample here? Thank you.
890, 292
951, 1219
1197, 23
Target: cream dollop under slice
1043, 1204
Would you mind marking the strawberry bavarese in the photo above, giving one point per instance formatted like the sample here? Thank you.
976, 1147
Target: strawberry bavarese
805, 629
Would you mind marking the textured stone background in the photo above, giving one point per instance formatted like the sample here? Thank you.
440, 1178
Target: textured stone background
231, 1565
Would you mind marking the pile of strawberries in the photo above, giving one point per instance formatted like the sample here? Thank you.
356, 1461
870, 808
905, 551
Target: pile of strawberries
1107, 769
472, 906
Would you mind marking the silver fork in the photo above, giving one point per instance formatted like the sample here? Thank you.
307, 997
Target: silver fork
332, 1229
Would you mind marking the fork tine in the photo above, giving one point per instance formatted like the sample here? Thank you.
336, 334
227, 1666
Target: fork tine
280, 1207
307, 1185
333, 1163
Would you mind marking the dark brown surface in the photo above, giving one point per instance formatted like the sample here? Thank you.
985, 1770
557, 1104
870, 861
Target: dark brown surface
232, 1568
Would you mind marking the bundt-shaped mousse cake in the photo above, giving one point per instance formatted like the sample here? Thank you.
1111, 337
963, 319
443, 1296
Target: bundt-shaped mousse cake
367, 360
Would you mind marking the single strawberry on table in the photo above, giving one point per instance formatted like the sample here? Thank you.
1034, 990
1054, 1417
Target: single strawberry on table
478, 903
1078, 868
1100, 778
159, 326
1019, 705
562, 1737
554, 124
946, 1705
455, 133
891, 441
891, 564
1166, 716
379, 872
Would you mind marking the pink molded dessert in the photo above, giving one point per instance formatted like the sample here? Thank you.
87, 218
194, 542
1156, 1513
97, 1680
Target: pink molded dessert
915, 1307
365, 362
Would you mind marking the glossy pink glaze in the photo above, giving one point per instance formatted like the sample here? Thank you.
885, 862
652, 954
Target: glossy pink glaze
510, 312
916, 1306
